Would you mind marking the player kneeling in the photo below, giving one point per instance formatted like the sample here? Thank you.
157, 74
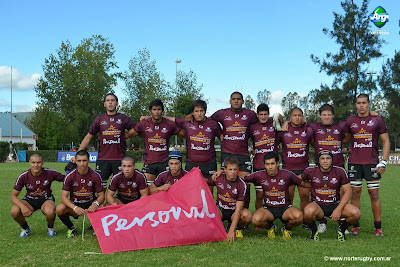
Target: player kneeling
130, 184
326, 181
231, 191
277, 203
81, 185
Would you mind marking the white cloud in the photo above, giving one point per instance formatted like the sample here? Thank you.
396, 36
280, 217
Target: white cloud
24, 108
276, 98
21, 82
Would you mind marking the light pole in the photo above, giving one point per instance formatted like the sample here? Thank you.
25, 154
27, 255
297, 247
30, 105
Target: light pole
176, 89
11, 116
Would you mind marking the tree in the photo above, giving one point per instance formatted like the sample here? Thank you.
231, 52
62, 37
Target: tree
73, 86
264, 97
389, 81
358, 47
143, 83
249, 103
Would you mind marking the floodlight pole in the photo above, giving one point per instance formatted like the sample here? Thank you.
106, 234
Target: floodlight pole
176, 87
11, 116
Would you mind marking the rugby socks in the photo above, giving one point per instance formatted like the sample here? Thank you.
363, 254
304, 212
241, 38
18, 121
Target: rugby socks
378, 224
67, 221
357, 224
313, 227
287, 227
25, 226
50, 226
149, 182
343, 225
104, 184
323, 220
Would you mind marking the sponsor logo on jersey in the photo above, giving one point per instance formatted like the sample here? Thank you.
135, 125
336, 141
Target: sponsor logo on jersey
119, 121
362, 122
75, 183
122, 185
325, 178
288, 134
201, 126
244, 117
227, 118
149, 129
89, 183
103, 123
157, 127
281, 182
46, 182
316, 180
354, 125
296, 132
271, 129
164, 130
370, 123
236, 115
193, 127
228, 186
221, 186
134, 185
320, 131
303, 134
256, 132
111, 119
208, 129
336, 131
334, 180
37, 182
234, 191
83, 181
265, 182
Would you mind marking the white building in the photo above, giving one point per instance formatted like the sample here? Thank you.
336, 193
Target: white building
20, 133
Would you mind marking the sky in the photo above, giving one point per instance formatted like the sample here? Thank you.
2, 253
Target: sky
230, 45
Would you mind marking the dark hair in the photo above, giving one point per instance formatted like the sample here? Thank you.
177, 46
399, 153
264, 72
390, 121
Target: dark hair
363, 96
128, 159
199, 103
296, 108
236, 92
326, 107
82, 153
271, 155
231, 160
116, 98
262, 107
36, 155
156, 103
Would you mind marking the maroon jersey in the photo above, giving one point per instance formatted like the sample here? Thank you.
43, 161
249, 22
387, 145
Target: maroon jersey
264, 141
166, 178
329, 137
111, 129
200, 138
325, 187
365, 133
82, 188
276, 188
228, 192
38, 187
128, 188
156, 138
295, 144
235, 129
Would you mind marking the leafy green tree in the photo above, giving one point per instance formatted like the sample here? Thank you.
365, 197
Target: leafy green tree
249, 103
357, 47
264, 97
72, 89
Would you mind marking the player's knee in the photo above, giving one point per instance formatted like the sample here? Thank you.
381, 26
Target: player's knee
49, 211
256, 220
60, 209
15, 211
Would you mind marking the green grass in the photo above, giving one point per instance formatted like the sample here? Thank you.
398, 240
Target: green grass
254, 250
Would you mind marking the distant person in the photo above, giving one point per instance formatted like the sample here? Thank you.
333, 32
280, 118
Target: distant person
231, 190
111, 128
37, 181
129, 184
365, 131
82, 192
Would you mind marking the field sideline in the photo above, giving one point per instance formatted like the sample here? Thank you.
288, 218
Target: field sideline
254, 250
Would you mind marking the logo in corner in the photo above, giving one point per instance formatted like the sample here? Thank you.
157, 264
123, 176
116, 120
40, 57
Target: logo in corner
379, 17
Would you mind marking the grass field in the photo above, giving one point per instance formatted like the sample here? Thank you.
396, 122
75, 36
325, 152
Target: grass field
254, 250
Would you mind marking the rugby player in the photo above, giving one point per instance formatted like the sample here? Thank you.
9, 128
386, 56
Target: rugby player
37, 181
365, 131
79, 192
129, 184
167, 178
111, 128
277, 202
156, 132
231, 190
326, 182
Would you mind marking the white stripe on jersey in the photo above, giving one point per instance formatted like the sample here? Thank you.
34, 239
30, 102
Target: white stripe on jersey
245, 185
19, 177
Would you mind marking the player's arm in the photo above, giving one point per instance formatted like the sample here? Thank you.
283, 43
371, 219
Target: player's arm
346, 138
385, 153
110, 197
336, 214
181, 133
65, 200
96, 204
144, 192
217, 174
131, 133
86, 141
15, 200
235, 220
154, 189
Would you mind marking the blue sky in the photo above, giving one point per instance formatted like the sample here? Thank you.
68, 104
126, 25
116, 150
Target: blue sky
230, 45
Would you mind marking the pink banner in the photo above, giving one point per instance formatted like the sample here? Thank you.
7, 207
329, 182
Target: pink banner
185, 214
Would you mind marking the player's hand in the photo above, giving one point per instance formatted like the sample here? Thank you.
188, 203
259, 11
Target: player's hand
216, 175
230, 236
374, 113
79, 211
26, 212
165, 187
335, 216
381, 166
285, 126
73, 159
92, 208
221, 137
189, 118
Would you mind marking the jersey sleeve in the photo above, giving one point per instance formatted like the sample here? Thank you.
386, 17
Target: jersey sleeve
382, 126
113, 183
217, 116
250, 178
253, 118
306, 175
159, 181
139, 128
98, 186
67, 186
295, 180
210, 182
344, 179
95, 127
218, 129
130, 124
180, 122
241, 190
20, 183
142, 181
175, 127
57, 176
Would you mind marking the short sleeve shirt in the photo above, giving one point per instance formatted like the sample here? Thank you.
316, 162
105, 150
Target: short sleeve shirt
365, 133
166, 178
111, 130
82, 188
276, 188
128, 188
235, 129
325, 187
200, 138
264, 141
156, 139
228, 192
38, 187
